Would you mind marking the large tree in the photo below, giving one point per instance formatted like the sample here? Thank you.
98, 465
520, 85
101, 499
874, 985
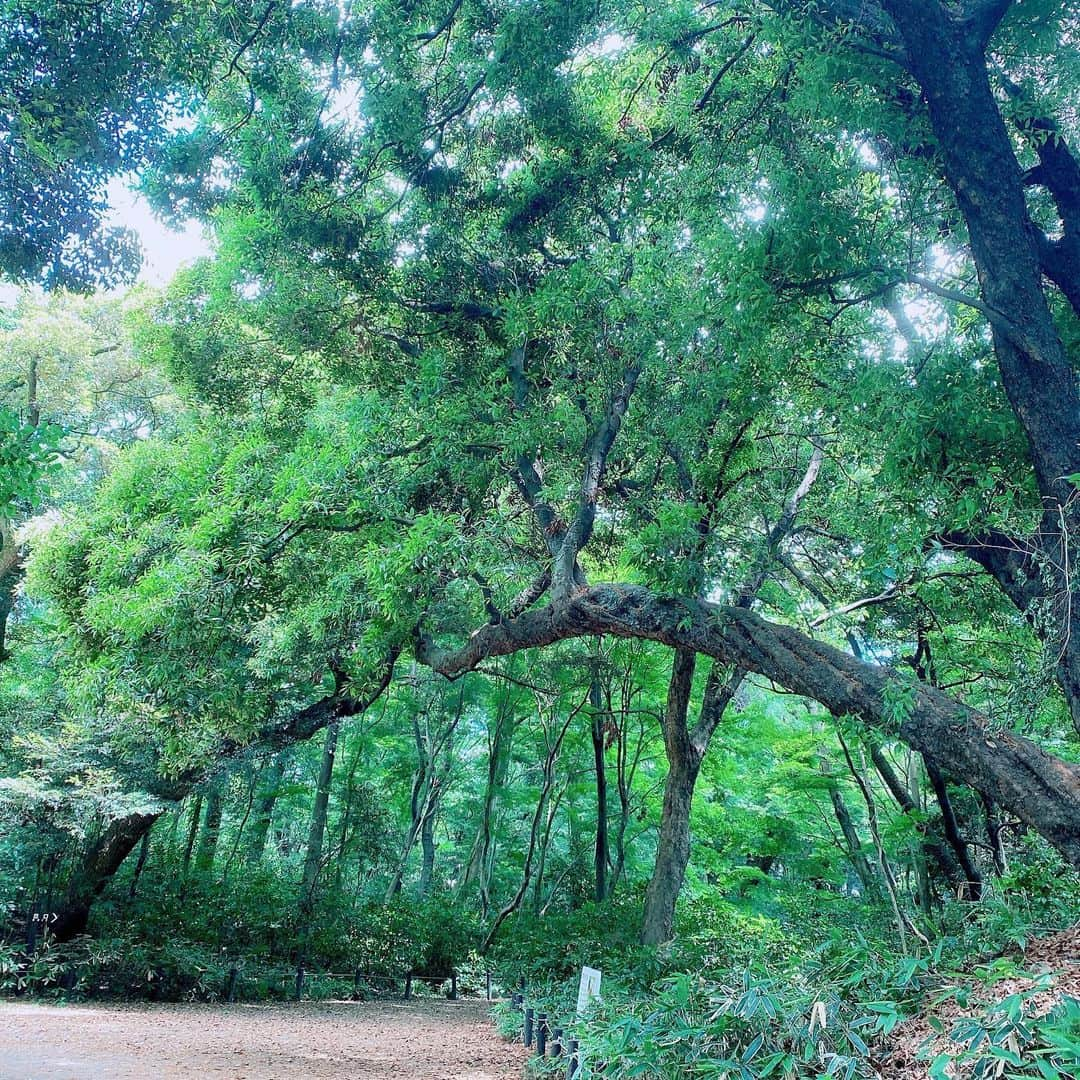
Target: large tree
612, 271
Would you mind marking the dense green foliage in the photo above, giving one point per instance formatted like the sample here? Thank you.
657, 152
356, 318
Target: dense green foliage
612, 457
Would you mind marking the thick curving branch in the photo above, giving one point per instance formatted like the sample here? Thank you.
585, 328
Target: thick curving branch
1041, 790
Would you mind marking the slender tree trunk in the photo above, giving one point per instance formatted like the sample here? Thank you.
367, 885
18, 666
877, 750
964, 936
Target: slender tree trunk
346, 822
972, 886
427, 848
317, 827
211, 830
918, 851
623, 787
932, 845
270, 784
548, 781
995, 830
859, 861
140, 863
418, 804
193, 832
600, 853
673, 845
545, 844
903, 922
478, 870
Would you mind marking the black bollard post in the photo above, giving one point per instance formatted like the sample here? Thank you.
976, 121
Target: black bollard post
300, 983
453, 986
408, 986
573, 1064
357, 976
516, 1001
487, 977
527, 1033
230, 989
556, 1042
541, 1034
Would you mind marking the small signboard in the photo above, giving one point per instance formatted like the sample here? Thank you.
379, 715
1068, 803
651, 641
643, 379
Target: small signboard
588, 989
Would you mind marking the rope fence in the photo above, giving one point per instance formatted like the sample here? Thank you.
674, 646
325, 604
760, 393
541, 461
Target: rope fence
362, 980
293, 981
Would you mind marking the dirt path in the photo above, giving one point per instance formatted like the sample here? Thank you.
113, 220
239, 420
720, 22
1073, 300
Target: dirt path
425, 1040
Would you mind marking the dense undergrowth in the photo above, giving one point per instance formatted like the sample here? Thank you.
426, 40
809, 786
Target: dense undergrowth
818, 987
784, 979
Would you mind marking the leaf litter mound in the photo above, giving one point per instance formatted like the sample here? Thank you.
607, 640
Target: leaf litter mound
1038, 979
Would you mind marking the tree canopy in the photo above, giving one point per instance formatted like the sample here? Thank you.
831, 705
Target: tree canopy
717, 354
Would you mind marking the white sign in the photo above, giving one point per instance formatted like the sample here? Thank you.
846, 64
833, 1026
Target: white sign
589, 989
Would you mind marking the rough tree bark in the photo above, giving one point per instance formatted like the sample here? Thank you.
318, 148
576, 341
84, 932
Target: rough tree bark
686, 748
673, 845
943, 47
1041, 790
104, 858
95, 869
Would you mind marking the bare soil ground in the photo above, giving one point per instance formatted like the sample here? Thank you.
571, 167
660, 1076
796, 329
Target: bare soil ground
423, 1039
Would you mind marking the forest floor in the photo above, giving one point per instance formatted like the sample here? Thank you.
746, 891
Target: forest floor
421, 1039
912, 1042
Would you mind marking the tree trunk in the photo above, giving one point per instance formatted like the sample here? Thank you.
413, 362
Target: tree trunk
994, 835
478, 871
211, 830
600, 852
97, 867
626, 763
859, 862
140, 863
920, 862
1041, 790
193, 832
418, 804
346, 823
317, 828
673, 845
934, 849
103, 859
547, 782
947, 58
11, 572
972, 886
427, 848
271, 780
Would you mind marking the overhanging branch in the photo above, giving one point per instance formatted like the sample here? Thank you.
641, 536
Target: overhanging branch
1043, 791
